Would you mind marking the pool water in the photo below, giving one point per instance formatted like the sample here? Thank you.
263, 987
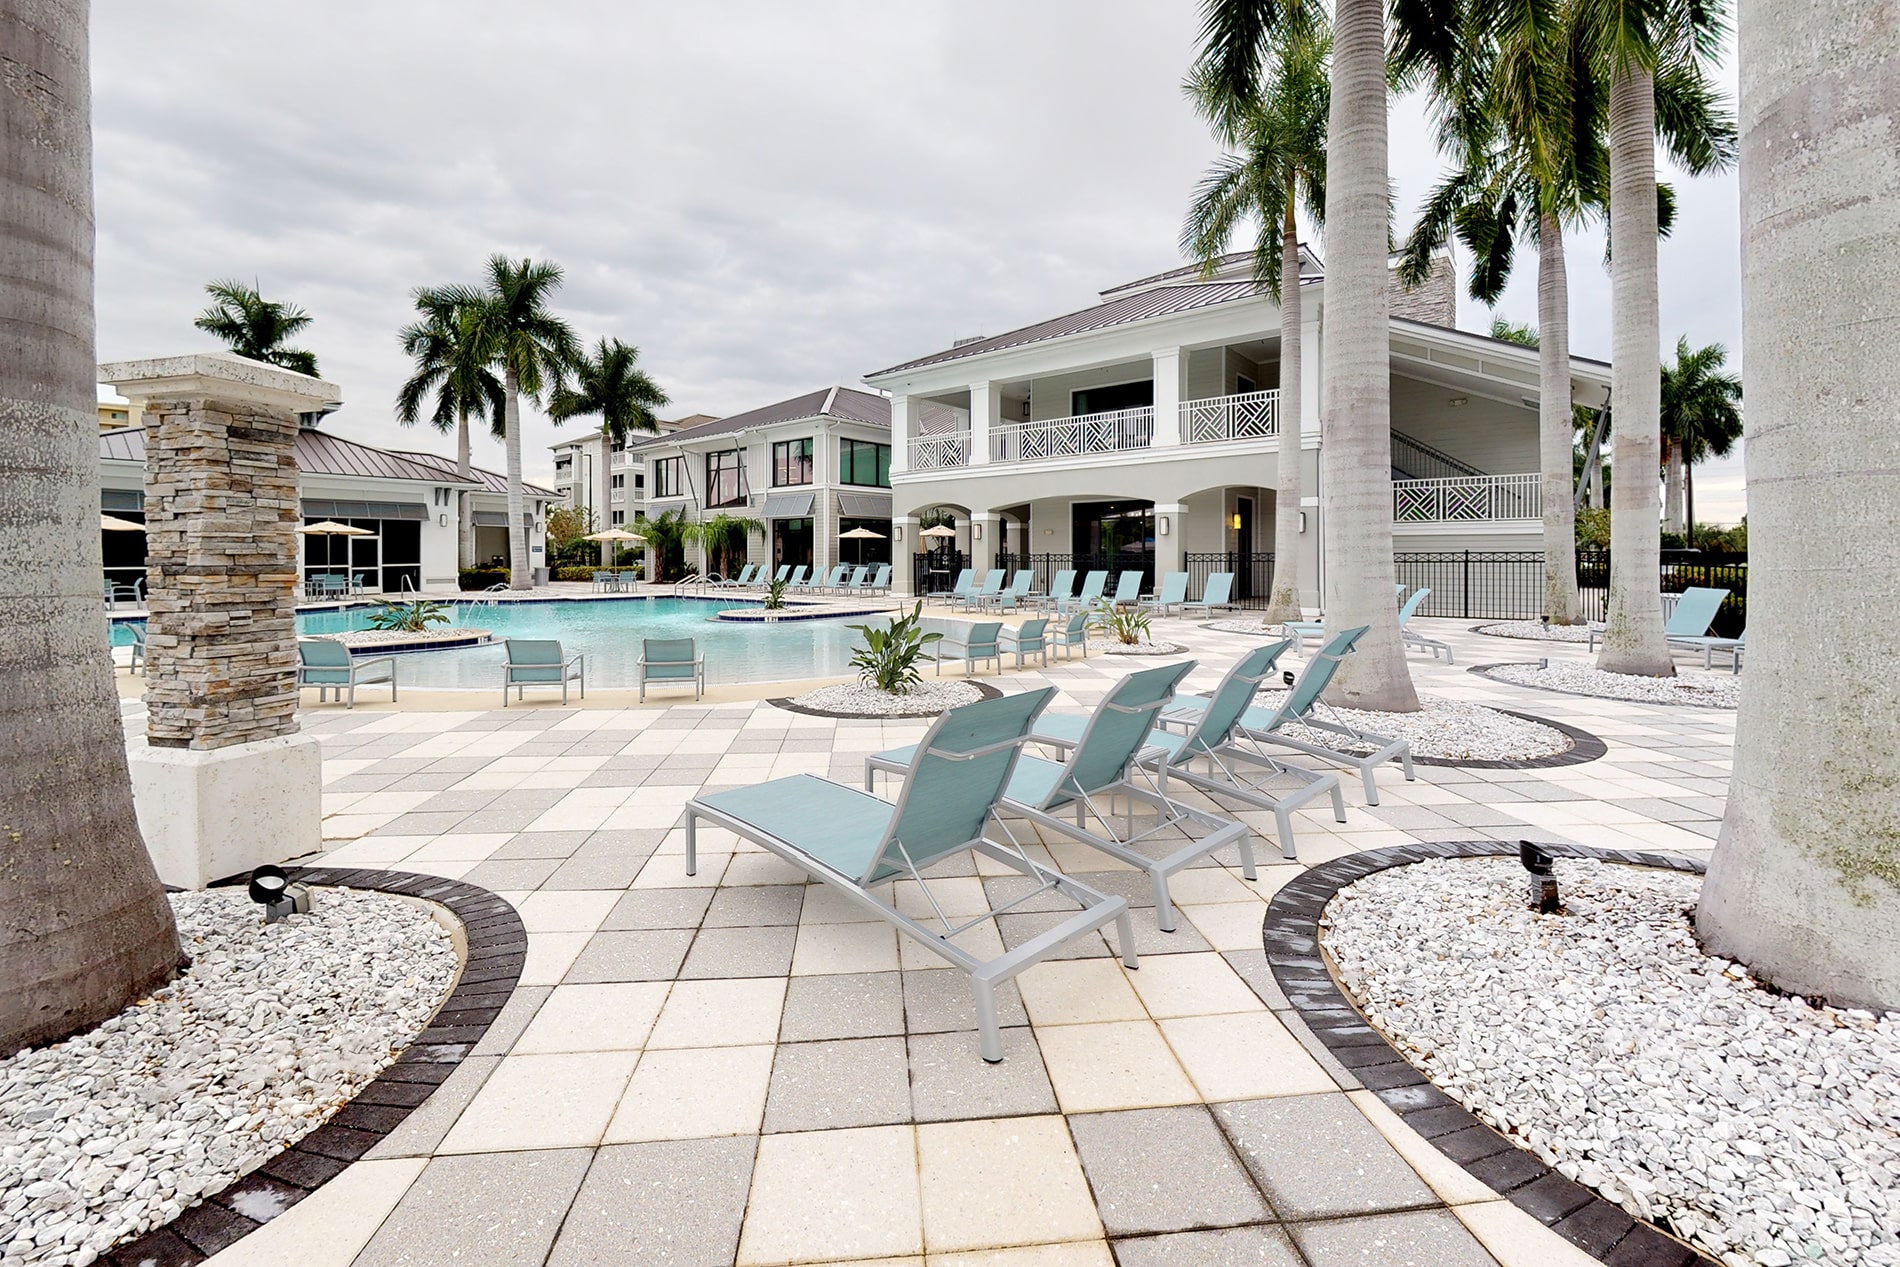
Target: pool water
609, 632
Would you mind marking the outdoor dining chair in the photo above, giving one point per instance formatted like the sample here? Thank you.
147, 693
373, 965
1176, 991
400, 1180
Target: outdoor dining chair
675, 661
328, 665
540, 662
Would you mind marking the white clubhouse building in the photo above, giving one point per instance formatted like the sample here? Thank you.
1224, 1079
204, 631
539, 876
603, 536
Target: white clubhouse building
1142, 431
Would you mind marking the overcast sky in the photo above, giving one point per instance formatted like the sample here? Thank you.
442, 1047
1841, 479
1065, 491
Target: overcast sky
765, 198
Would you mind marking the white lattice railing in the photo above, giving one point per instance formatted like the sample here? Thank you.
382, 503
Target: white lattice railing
1470, 499
940, 452
1112, 432
1248, 416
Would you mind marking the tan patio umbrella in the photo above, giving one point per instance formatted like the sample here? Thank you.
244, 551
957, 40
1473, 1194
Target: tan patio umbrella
938, 532
109, 524
613, 534
331, 528
860, 534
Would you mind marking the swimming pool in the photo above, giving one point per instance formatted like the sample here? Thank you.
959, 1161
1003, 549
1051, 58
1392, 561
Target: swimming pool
608, 633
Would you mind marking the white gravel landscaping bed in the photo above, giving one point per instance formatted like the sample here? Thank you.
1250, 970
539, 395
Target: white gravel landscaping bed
857, 700
1536, 631
1442, 730
1241, 626
1762, 1129
1137, 648
1711, 690
354, 638
273, 1028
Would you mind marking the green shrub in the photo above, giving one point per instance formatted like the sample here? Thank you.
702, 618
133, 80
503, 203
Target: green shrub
888, 659
1593, 529
775, 596
1127, 625
481, 578
413, 617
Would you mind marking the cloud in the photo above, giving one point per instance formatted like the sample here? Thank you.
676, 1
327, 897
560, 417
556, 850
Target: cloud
764, 197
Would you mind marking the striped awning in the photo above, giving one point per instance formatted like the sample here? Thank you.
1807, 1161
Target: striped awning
864, 505
787, 506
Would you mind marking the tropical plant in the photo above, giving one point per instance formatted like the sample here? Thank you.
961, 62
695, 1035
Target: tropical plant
610, 383
666, 536
511, 328
1129, 626
85, 928
774, 595
411, 617
888, 659
255, 328
1279, 164
1701, 418
1653, 54
449, 365
1804, 886
1593, 528
721, 536
1514, 332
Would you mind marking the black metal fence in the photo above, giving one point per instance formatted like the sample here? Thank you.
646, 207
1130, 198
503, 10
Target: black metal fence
1045, 566
1509, 584
935, 571
1253, 575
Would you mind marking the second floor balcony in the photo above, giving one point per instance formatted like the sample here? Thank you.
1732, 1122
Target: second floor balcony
1214, 420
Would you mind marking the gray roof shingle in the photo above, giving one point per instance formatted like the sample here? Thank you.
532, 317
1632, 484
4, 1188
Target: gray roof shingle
851, 403
319, 453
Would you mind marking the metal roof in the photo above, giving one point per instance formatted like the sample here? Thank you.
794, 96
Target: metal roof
319, 453
850, 403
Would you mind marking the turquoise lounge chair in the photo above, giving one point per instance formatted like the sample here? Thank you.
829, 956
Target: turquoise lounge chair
986, 594
1073, 633
1693, 614
1269, 726
881, 580
328, 665
540, 662
1059, 589
860, 582
784, 573
669, 661
971, 641
1127, 590
1173, 593
1017, 595
1316, 629
741, 581
834, 581
799, 581
1235, 764
1029, 638
137, 629
1099, 768
1092, 586
856, 842
966, 583
1218, 594
1712, 646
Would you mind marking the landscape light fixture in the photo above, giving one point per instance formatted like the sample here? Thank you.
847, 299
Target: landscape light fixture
1287, 676
271, 889
1542, 868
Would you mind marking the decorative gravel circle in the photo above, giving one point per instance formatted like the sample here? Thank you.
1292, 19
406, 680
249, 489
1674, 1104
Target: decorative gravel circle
1444, 731
1694, 689
1603, 1040
268, 1034
1534, 631
1138, 649
390, 639
1240, 627
854, 699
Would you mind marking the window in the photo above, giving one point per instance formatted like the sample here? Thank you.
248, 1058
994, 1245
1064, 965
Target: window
669, 477
791, 462
725, 478
620, 517
620, 481
1244, 385
862, 462
639, 482
1103, 400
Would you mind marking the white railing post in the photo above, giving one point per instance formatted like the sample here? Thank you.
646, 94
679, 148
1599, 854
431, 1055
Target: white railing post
986, 404
1168, 384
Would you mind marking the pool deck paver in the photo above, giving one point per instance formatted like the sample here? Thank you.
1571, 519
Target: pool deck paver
737, 1067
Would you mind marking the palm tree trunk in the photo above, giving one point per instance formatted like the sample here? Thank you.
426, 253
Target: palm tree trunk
1285, 601
1688, 505
1672, 486
464, 512
1356, 387
1633, 641
606, 516
1805, 884
84, 925
1557, 425
520, 575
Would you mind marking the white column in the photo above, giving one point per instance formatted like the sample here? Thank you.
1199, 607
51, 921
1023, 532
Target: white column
904, 420
1170, 554
904, 546
986, 538
986, 405
1170, 364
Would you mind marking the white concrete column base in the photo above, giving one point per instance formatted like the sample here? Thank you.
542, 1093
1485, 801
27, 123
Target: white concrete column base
208, 815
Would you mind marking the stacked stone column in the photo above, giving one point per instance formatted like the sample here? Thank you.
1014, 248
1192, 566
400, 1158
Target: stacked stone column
221, 568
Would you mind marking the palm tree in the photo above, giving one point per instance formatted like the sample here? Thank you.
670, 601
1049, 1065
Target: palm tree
84, 925
255, 327
612, 384
1701, 418
1280, 164
1637, 45
508, 321
448, 365
666, 536
1804, 886
720, 536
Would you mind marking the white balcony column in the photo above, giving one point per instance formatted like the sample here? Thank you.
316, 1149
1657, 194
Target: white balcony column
986, 538
986, 407
904, 547
1170, 368
1170, 553
904, 430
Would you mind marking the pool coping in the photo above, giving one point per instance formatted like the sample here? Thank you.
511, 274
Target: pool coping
1290, 936
496, 946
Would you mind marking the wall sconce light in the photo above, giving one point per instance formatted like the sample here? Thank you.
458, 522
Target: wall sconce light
1025, 409
1457, 401
976, 531
1048, 532
897, 531
1164, 525
1302, 521
1236, 521
441, 521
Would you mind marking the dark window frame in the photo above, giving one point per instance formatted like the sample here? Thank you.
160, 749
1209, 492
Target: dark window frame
850, 463
792, 459
725, 477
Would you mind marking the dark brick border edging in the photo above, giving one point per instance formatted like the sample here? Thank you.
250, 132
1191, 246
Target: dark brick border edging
1600, 1228
984, 690
497, 947
1482, 670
